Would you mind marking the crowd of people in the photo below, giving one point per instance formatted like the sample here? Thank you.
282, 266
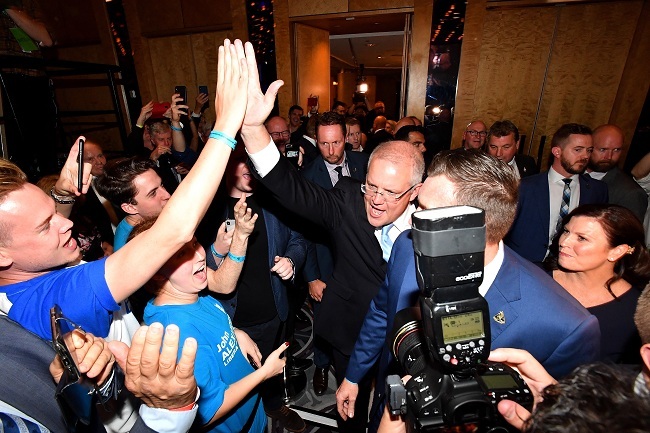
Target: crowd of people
186, 261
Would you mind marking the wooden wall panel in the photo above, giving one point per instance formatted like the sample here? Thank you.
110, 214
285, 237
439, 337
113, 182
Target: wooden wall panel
159, 16
516, 44
635, 82
365, 5
587, 63
300, 8
313, 69
418, 68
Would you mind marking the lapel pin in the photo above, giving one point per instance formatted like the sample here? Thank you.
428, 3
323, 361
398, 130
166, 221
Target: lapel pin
500, 318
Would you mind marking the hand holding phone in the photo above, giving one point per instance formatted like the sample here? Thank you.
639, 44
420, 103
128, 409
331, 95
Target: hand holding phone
230, 225
181, 90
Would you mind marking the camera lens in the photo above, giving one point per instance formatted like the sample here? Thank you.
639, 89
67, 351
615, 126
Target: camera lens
408, 342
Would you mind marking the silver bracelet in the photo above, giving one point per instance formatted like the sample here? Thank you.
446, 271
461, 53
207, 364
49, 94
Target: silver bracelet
62, 199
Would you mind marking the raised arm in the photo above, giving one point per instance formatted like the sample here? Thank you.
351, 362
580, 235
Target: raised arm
176, 224
34, 28
178, 139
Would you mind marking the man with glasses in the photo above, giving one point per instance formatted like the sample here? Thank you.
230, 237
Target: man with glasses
362, 224
278, 129
474, 135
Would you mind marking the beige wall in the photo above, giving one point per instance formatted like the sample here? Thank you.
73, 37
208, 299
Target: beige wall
313, 69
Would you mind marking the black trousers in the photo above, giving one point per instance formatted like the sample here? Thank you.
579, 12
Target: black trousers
359, 422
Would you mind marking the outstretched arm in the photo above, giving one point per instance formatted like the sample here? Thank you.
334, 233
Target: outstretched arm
34, 28
193, 196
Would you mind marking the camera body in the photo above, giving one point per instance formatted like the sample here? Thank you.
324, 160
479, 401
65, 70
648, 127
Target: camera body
444, 344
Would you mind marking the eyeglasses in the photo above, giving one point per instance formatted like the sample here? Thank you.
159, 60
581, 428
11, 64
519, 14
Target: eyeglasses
475, 133
284, 134
372, 191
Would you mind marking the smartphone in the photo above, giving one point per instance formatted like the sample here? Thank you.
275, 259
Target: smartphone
230, 225
203, 89
80, 165
312, 101
181, 90
159, 108
60, 346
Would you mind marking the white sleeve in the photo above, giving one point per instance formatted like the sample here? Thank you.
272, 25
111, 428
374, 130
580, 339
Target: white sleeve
168, 421
265, 159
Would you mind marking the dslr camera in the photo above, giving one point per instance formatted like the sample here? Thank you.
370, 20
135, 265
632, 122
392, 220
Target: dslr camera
444, 344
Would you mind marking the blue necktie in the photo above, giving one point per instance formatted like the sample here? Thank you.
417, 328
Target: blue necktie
385, 242
566, 199
16, 424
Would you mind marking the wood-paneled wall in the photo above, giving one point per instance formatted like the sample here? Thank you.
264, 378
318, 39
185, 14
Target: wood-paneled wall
548, 65
313, 69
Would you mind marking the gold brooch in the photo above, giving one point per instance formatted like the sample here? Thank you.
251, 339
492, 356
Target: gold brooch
500, 318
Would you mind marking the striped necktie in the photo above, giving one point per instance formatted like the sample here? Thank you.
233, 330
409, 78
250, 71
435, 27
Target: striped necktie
16, 424
566, 199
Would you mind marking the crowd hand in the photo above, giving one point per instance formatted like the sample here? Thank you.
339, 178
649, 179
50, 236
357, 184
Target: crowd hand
536, 377
248, 347
91, 354
282, 267
177, 110
274, 365
152, 374
182, 169
232, 83
158, 151
145, 113
223, 240
259, 104
316, 289
393, 423
313, 108
346, 396
67, 182
244, 217
201, 100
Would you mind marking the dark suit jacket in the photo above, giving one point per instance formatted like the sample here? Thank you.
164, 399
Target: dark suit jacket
25, 380
283, 242
540, 316
359, 267
624, 191
526, 165
376, 139
319, 263
311, 152
528, 235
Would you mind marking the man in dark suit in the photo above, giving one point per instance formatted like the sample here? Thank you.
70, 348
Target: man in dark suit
27, 388
332, 163
603, 165
547, 197
354, 214
260, 303
503, 142
519, 294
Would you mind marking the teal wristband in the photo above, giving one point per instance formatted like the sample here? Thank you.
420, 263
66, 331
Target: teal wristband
218, 135
215, 253
234, 258
175, 128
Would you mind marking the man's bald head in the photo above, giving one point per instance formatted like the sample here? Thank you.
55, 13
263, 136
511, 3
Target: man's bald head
608, 147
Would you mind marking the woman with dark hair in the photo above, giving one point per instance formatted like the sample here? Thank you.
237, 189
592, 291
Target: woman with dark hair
600, 258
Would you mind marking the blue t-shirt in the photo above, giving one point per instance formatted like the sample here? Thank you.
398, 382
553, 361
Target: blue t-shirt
81, 292
122, 232
219, 361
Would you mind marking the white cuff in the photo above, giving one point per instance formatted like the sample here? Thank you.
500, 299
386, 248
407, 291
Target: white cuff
265, 159
169, 421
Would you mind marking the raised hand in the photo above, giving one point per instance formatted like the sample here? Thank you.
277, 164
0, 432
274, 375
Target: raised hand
244, 217
259, 104
66, 185
177, 110
232, 83
152, 374
145, 113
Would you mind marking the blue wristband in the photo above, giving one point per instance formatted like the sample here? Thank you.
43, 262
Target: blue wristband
234, 258
215, 253
175, 128
218, 135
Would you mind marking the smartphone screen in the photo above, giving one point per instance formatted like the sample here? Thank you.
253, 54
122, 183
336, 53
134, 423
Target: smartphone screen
181, 90
203, 89
80, 165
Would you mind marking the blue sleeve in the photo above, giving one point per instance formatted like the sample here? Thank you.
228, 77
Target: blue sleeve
296, 249
81, 292
311, 271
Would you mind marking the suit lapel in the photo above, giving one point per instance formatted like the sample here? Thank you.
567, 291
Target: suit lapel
504, 291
